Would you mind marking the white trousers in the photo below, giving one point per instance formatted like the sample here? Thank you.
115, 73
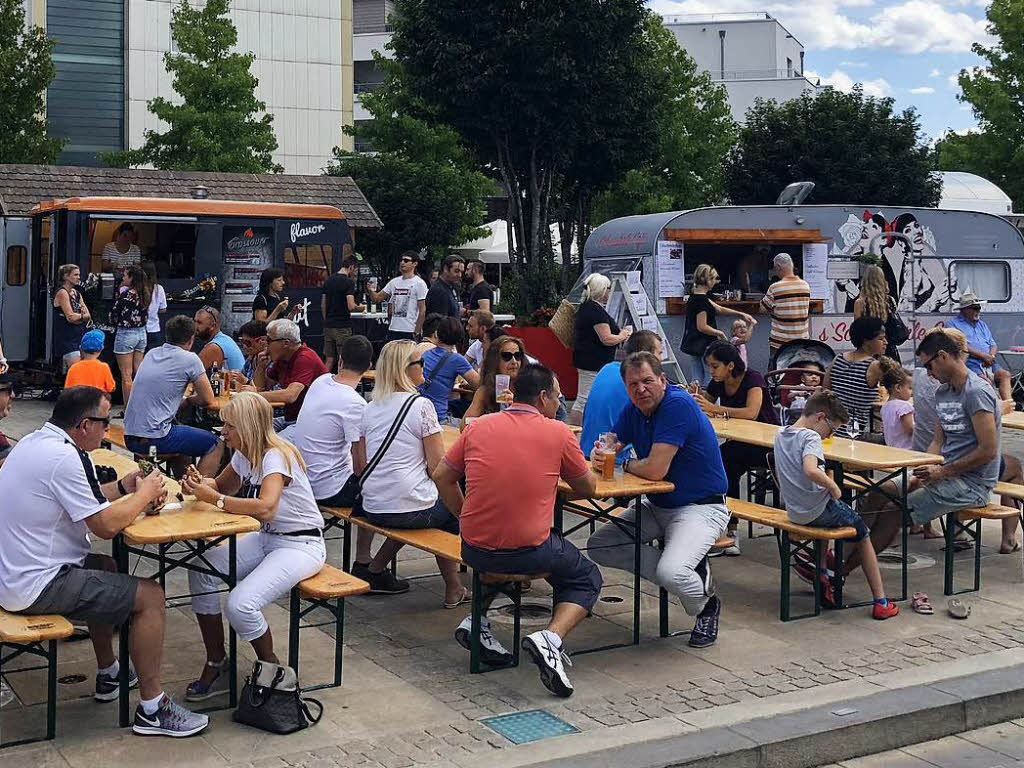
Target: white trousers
686, 535
268, 566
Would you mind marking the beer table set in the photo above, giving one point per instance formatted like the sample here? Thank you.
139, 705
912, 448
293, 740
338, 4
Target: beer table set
197, 526
842, 454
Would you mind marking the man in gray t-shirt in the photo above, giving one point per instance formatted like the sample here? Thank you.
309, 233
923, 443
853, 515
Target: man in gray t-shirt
967, 435
158, 393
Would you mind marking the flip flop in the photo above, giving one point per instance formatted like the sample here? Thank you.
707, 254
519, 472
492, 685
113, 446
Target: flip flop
463, 598
1014, 548
921, 604
958, 609
961, 545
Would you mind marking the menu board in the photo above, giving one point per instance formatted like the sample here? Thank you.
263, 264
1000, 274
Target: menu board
671, 272
816, 272
247, 252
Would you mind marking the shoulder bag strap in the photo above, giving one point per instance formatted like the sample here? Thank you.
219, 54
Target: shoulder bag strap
439, 367
389, 439
304, 702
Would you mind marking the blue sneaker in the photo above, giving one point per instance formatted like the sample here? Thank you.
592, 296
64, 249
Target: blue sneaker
108, 686
705, 629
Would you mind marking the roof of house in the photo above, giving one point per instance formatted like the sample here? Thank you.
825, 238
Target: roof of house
22, 187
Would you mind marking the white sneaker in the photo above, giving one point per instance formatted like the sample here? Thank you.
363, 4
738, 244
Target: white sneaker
733, 550
551, 662
491, 651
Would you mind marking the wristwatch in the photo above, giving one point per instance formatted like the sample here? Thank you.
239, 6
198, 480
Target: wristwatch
220, 501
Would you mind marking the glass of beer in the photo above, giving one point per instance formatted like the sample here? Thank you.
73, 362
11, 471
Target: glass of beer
603, 458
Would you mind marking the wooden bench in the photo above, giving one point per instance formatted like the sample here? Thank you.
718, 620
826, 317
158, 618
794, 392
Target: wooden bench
486, 586
793, 540
969, 522
328, 590
36, 636
114, 436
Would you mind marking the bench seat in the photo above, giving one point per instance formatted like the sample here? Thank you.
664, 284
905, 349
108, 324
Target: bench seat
779, 520
24, 628
332, 582
115, 435
432, 540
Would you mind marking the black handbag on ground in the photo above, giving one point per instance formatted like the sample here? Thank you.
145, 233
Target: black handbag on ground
357, 506
896, 331
271, 701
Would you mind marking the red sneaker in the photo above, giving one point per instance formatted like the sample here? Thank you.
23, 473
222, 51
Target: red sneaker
828, 592
887, 611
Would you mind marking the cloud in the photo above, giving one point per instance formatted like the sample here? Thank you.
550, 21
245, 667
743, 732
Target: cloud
841, 81
911, 26
935, 73
854, 64
922, 90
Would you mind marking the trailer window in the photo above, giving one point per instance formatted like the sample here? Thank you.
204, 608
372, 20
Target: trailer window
170, 245
17, 265
308, 266
988, 280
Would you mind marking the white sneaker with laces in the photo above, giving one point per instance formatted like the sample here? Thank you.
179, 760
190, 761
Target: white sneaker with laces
733, 550
491, 651
551, 661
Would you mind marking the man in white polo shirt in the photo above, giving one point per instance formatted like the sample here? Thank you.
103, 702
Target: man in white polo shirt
52, 502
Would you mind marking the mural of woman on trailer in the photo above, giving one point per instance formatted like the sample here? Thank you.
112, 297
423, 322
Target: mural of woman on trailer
905, 250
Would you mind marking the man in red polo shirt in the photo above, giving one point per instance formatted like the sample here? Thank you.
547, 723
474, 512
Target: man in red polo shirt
291, 365
512, 462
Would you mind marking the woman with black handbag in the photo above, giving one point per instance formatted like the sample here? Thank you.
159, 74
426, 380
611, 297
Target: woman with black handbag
289, 548
701, 315
875, 301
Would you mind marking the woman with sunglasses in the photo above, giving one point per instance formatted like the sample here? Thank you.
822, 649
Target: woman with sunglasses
266, 480
398, 491
504, 357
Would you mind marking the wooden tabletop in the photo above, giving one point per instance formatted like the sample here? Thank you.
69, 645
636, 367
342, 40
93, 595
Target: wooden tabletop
195, 519
850, 453
1014, 420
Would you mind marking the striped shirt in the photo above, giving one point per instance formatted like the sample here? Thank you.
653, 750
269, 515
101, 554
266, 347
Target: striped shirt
850, 383
789, 303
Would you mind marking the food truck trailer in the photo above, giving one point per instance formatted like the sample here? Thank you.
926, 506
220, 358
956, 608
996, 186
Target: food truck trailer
929, 256
206, 252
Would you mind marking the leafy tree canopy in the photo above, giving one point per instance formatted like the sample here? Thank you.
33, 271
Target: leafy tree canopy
853, 147
217, 126
26, 70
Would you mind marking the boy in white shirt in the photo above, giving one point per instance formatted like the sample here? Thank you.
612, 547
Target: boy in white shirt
812, 497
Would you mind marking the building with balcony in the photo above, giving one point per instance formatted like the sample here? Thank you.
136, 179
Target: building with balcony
109, 61
751, 54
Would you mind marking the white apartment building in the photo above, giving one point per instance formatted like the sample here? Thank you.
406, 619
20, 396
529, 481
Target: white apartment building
751, 54
109, 61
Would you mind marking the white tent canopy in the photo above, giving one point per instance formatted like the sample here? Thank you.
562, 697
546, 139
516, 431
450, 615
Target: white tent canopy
968, 192
493, 248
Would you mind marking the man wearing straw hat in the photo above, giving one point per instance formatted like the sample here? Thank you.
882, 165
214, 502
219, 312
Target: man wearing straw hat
981, 345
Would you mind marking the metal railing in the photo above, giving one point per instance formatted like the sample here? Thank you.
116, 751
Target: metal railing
373, 29
711, 18
366, 87
755, 74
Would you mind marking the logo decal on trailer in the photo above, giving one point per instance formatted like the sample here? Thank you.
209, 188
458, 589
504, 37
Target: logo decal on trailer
297, 230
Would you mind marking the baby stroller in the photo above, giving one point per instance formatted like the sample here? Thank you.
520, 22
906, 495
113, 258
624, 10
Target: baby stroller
785, 379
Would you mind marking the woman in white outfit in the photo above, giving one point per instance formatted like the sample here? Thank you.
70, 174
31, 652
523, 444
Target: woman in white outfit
289, 547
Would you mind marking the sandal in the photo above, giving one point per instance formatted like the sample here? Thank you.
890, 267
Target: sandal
921, 604
958, 609
1011, 550
463, 598
199, 691
961, 545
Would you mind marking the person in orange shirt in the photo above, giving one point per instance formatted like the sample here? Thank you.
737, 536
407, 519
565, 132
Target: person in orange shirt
90, 371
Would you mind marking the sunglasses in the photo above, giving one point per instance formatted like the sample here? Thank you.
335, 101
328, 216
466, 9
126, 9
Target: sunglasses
271, 341
929, 361
208, 309
407, 261
104, 420
415, 362
510, 356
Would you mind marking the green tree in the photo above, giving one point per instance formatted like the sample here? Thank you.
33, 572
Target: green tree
996, 95
556, 97
853, 147
695, 132
26, 70
217, 126
420, 179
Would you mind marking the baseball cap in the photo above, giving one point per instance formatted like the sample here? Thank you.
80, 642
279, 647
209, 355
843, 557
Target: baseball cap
93, 341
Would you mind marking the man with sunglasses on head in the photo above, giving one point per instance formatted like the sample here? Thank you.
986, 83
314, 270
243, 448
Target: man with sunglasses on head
967, 435
407, 299
52, 502
218, 348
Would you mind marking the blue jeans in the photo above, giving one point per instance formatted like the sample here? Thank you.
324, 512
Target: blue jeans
838, 514
698, 370
188, 441
436, 516
128, 340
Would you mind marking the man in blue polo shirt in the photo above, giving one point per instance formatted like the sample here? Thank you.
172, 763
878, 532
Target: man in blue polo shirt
608, 394
982, 350
675, 442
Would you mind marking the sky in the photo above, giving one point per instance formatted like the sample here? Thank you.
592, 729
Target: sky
911, 50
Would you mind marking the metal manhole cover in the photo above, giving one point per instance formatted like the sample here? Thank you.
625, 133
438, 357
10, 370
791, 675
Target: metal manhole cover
611, 599
915, 562
532, 725
532, 614
71, 679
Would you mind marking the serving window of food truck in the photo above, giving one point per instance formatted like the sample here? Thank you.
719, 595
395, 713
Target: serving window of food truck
203, 251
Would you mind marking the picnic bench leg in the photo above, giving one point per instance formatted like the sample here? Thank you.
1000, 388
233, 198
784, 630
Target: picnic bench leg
947, 584
51, 690
839, 580
232, 637
517, 601
784, 556
120, 551
339, 639
905, 526
346, 546
294, 607
663, 612
819, 556
474, 630
637, 528
974, 529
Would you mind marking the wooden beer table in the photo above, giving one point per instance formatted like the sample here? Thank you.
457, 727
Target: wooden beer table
197, 526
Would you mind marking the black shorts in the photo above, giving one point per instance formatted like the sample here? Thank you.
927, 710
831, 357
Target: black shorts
88, 593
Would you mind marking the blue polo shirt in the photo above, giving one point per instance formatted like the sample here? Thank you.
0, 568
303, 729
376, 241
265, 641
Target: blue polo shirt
604, 404
696, 469
979, 337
